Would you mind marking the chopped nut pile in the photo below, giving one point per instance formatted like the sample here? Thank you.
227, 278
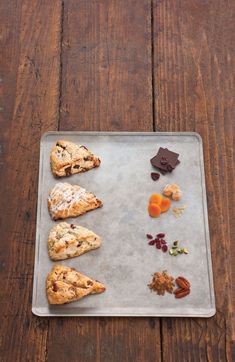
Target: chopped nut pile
161, 283
178, 211
173, 191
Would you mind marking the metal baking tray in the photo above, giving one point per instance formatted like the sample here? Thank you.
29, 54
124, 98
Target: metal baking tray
125, 262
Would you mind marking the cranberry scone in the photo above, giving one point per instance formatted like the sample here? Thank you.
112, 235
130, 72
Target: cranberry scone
67, 200
65, 285
69, 240
67, 158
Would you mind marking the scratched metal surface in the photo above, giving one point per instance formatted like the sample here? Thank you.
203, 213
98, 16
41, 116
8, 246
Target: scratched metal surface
125, 261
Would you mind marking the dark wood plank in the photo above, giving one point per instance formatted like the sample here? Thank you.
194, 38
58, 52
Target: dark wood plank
29, 72
194, 91
106, 66
106, 85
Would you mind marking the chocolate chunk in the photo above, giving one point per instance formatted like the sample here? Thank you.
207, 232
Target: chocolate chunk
54, 287
76, 166
155, 176
165, 160
73, 226
68, 171
169, 167
59, 145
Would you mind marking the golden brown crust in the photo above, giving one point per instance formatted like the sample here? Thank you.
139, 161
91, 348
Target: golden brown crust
67, 158
67, 200
65, 285
69, 240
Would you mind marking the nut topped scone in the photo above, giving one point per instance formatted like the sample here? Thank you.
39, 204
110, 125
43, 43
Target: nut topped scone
67, 200
69, 240
65, 285
67, 158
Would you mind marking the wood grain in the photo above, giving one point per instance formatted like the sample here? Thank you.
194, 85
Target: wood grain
113, 65
29, 71
106, 85
106, 63
194, 91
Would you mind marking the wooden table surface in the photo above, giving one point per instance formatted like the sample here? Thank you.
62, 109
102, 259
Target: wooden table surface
113, 65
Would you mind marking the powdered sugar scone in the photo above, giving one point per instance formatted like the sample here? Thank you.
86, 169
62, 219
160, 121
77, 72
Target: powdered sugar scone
67, 158
69, 240
67, 200
65, 285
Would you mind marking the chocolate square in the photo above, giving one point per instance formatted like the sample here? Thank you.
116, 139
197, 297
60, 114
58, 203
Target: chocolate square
165, 160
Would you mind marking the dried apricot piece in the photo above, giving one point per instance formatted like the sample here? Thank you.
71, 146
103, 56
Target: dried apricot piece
155, 199
165, 204
154, 210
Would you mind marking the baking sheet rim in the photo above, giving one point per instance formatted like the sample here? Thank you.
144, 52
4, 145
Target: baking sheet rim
210, 311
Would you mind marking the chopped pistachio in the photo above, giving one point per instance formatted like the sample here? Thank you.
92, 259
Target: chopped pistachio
175, 249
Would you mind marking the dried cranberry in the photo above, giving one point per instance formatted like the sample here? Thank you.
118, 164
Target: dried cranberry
149, 236
161, 235
158, 246
163, 241
151, 242
164, 248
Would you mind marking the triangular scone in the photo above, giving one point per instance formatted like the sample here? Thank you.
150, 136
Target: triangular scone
68, 158
69, 240
65, 285
67, 200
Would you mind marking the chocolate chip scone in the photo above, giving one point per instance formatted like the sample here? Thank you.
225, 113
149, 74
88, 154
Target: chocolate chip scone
67, 158
69, 240
67, 200
65, 285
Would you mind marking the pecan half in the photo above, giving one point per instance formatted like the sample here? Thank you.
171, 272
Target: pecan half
181, 293
182, 282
